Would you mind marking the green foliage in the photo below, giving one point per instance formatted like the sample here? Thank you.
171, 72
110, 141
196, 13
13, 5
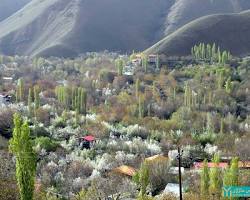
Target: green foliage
212, 54
215, 178
228, 85
142, 180
137, 88
205, 180
21, 147
74, 98
20, 90
119, 65
46, 143
231, 176
205, 138
145, 62
140, 107
30, 102
36, 97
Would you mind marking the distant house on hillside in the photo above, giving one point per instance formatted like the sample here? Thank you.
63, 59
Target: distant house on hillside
175, 170
172, 188
156, 158
4, 100
87, 142
7, 79
128, 70
199, 165
152, 58
125, 170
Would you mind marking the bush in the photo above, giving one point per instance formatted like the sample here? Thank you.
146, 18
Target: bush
205, 138
40, 131
6, 122
46, 143
59, 123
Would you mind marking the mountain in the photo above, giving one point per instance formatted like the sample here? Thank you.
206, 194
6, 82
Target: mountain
229, 31
9, 7
185, 11
67, 28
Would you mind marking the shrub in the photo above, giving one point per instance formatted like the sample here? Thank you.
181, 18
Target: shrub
46, 143
40, 131
6, 122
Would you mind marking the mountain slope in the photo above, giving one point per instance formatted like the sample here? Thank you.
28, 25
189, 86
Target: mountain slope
229, 31
185, 11
69, 27
66, 28
9, 7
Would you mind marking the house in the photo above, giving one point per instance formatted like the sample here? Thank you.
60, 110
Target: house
128, 70
87, 142
175, 170
136, 62
152, 59
199, 165
244, 164
5, 99
7, 79
156, 158
125, 170
172, 188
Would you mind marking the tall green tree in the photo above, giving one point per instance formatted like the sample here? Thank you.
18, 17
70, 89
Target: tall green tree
140, 107
21, 147
205, 180
228, 85
231, 176
142, 180
137, 88
83, 101
36, 96
158, 62
215, 178
20, 90
145, 62
119, 65
214, 53
30, 102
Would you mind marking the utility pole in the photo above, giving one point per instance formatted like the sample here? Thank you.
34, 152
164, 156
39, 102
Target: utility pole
179, 165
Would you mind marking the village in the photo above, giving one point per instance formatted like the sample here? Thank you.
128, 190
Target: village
96, 119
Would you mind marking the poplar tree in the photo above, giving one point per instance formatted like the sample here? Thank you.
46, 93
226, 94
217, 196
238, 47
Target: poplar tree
214, 176
218, 55
231, 176
119, 66
209, 52
228, 85
140, 107
145, 63
36, 97
83, 101
205, 180
157, 62
141, 179
224, 57
137, 88
21, 147
214, 53
187, 96
20, 90
30, 102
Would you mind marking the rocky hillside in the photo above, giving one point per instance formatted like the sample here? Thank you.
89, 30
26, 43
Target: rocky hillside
9, 7
229, 31
67, 28
184, 11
